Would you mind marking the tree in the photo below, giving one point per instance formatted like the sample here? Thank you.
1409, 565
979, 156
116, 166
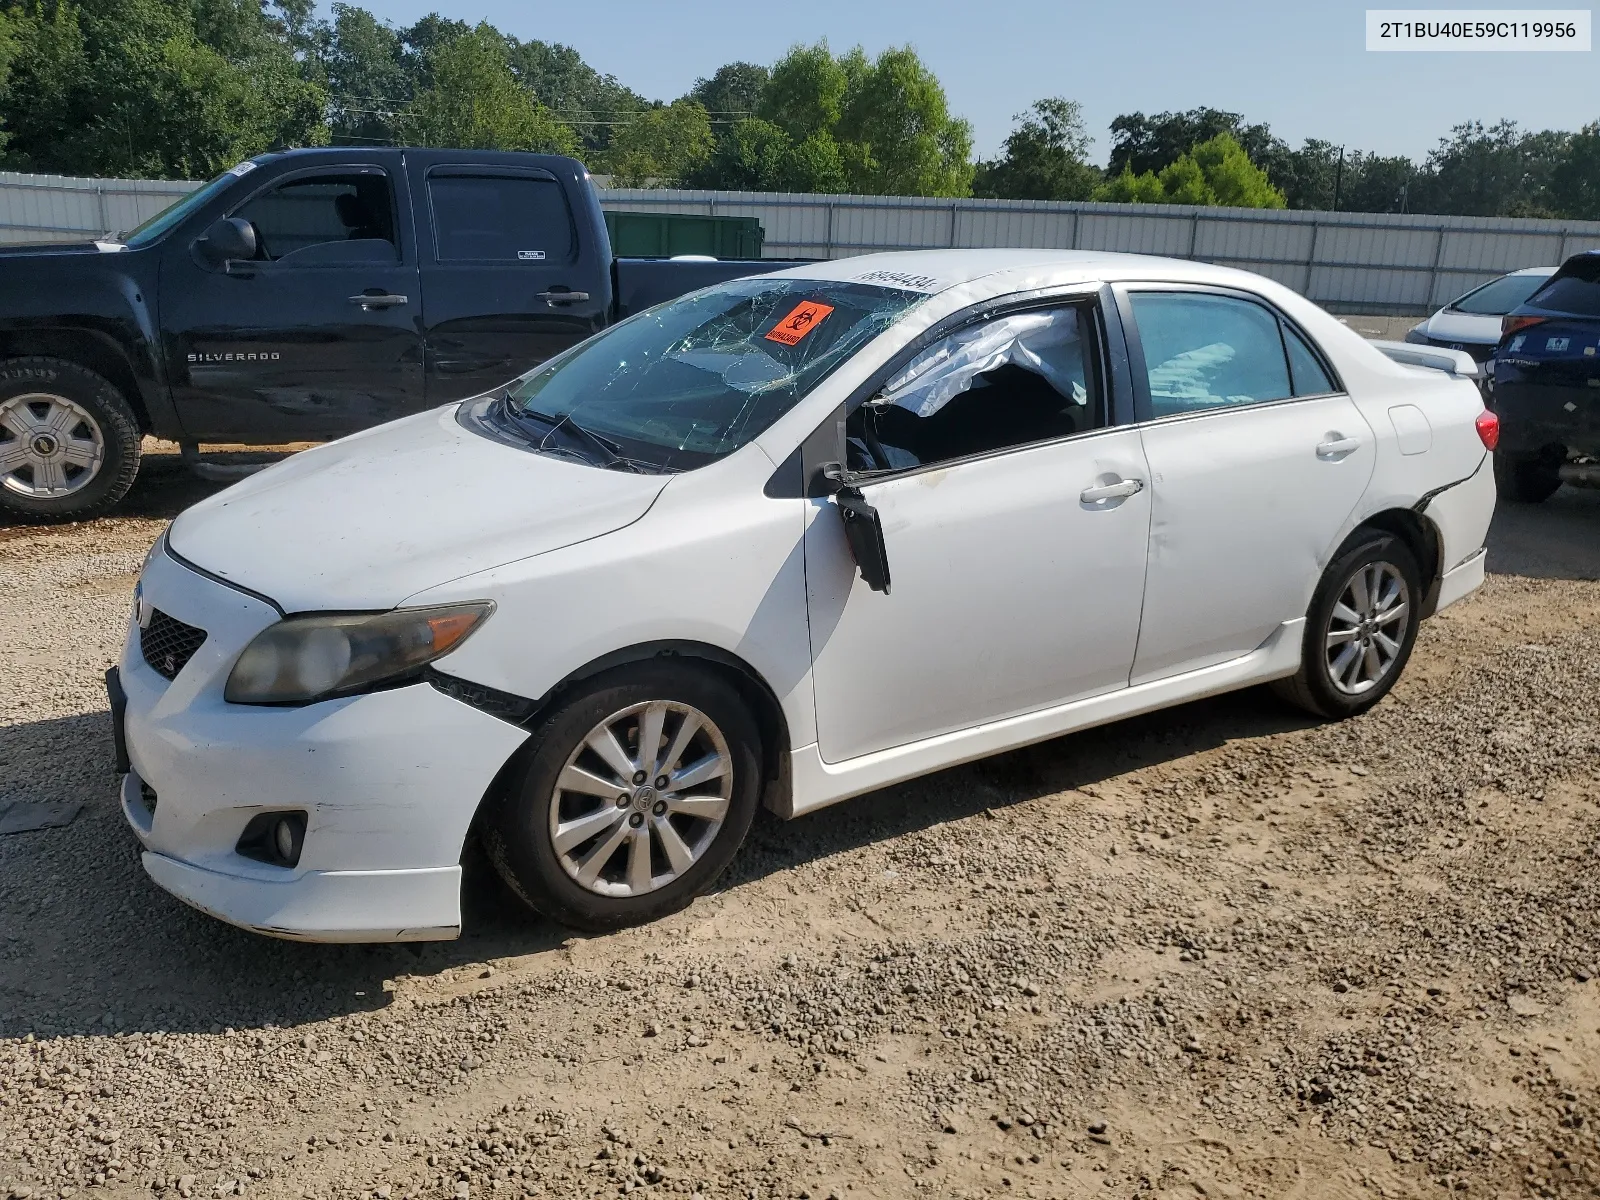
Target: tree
475, 101
1489, 171
594, 104
755, 155
732, 93
1046, 157
369, 80
133, 87
1573, 189
1217, 171
1232, 179
661, 147
805, 94
896, 122
1144, 143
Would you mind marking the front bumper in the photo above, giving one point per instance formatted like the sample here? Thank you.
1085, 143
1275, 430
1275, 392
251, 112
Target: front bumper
390, 782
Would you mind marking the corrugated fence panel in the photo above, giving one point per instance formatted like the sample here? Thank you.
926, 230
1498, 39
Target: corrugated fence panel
1353, 262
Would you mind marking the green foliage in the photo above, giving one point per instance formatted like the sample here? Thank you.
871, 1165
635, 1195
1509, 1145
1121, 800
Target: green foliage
148, 88
896, 132
756, 155
475, 101
731, 95
805, 95
1574, 186
661, 147
1215, 172
1046, 157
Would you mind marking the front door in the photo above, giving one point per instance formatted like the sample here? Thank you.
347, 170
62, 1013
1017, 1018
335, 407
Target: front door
1257, 459
1015, 523
503, 276
317, 336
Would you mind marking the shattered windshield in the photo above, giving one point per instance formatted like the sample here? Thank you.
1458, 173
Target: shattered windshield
692, 380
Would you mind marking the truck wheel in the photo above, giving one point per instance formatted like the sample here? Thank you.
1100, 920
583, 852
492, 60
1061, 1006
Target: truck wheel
69, 443
1359, 630
634, 798
1527, 480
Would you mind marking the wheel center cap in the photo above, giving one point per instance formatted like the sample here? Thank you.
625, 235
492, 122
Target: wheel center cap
644, 798
44, 445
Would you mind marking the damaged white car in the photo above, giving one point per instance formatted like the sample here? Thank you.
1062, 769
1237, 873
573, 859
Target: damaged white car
789, 538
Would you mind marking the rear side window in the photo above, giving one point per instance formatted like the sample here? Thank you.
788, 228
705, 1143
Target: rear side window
1203, 352
1573, 289
500, 218
1307, 374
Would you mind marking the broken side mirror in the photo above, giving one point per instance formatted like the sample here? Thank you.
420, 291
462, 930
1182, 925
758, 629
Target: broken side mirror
863, 530
226, 240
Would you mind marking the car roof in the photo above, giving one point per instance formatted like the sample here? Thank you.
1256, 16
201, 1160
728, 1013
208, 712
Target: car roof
936, 271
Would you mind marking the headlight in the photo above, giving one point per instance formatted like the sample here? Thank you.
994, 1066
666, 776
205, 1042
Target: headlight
302, 659
1418, 334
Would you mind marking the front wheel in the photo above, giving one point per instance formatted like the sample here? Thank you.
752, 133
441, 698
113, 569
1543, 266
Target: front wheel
1359, 631
69, 443
635, 797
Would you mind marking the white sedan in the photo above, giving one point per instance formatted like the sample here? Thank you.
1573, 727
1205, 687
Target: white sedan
787, 539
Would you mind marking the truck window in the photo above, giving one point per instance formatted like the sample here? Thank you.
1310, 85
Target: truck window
316, 210
500, 218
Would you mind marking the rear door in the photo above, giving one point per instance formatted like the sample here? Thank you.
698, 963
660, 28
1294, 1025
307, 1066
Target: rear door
1257, 459
506, 282
317, 336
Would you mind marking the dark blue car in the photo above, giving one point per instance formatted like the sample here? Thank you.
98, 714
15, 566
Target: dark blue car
1545, 386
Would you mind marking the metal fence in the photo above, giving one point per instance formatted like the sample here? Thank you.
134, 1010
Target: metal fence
1348, 262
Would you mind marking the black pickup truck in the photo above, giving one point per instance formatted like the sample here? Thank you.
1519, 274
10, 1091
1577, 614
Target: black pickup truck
300, 296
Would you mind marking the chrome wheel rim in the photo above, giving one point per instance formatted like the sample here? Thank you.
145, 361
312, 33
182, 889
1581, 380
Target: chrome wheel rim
1367, 628
641, 799
49, 446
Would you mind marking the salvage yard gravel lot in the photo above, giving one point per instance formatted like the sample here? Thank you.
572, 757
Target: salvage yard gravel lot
1218, 951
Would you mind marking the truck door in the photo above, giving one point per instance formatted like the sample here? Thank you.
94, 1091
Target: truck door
507, 280
318, 335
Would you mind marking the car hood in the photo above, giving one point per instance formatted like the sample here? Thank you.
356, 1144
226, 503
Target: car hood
1448, 326
364, 522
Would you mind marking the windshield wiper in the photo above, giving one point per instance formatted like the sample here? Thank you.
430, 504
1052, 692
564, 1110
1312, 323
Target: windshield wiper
606, 450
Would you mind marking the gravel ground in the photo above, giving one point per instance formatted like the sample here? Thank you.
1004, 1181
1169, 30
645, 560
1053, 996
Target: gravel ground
1218, 951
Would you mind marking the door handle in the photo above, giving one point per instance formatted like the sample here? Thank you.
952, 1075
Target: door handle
1112, 491
379, 300
1338, 447
562, 297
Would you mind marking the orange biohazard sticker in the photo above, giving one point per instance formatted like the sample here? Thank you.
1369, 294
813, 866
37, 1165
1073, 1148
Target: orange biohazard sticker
807, 315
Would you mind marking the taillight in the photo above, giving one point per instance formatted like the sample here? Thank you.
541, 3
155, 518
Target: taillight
1510, 325
1488, 426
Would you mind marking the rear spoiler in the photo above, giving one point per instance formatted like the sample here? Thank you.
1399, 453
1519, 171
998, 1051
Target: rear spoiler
1451, 362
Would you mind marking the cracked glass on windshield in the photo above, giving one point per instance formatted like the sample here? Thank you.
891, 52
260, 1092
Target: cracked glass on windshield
692, 380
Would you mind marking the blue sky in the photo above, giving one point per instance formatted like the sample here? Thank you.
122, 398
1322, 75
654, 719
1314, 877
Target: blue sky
1302, 68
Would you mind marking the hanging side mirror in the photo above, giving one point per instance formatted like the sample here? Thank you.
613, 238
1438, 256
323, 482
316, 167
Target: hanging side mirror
226, 240
863, 530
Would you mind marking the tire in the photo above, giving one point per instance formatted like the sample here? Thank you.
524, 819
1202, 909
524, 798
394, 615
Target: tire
521, 832
1526, 480
1320, 688
69, 442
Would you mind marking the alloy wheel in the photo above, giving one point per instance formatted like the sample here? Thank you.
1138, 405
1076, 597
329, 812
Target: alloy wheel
49, 446
641, 799
1367, 628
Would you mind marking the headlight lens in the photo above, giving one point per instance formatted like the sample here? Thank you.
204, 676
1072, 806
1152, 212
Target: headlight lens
1418, 334
303, 659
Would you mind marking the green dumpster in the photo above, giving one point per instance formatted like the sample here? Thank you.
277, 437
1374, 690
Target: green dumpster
662, 235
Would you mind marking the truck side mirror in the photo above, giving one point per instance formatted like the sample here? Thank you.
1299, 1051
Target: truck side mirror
226, 240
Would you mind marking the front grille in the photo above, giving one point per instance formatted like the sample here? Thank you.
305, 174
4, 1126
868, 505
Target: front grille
168, 644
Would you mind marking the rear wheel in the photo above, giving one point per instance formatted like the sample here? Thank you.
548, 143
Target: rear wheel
1359, 630
636, 796
1527, 479
69, 442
